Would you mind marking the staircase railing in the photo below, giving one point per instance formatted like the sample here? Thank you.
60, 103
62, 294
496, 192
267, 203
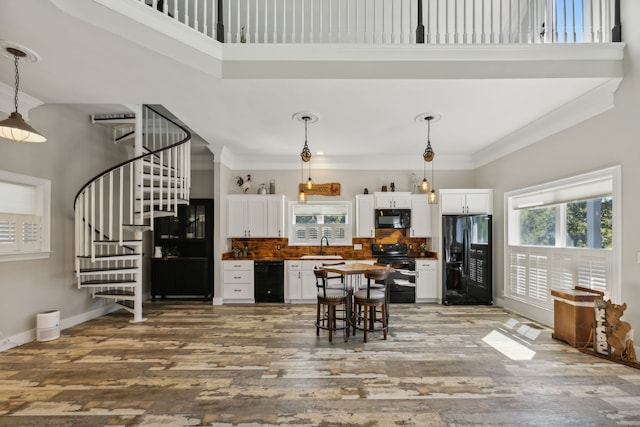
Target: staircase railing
399, 21
116, 206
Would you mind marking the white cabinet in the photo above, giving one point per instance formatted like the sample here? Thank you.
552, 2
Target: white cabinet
237, 281
255, 215
365, 222
275, 216
426, 280
420, 216
293, 286
301, 281
393, 200
466, 201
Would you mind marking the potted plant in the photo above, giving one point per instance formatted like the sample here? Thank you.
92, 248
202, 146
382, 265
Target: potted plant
171, 252
422, 249
240, 251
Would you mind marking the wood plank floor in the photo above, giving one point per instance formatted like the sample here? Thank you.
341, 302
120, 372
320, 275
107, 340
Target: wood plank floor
191, 364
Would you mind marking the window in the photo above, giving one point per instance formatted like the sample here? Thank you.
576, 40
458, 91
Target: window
310, 222
24, 217
561, 235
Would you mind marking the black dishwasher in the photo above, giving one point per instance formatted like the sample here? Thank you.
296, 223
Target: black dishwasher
268, 281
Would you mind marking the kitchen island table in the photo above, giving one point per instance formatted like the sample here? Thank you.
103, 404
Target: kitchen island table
353, 281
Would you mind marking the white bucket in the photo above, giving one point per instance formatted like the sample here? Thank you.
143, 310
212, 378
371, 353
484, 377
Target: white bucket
48, 325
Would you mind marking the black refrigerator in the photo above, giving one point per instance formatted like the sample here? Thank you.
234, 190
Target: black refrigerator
466, 248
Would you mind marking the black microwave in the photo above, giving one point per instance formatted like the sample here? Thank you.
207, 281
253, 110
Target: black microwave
393, 218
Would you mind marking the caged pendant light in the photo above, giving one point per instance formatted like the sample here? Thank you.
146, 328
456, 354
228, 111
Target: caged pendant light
15, 128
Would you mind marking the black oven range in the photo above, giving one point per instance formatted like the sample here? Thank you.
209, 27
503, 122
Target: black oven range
402, 288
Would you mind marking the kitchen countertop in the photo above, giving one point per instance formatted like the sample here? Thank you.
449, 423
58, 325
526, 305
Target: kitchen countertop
226, 257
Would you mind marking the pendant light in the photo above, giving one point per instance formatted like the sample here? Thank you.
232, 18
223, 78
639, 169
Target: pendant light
15, 128
301, 196
428, 155
305, 155
433, 196
424, 185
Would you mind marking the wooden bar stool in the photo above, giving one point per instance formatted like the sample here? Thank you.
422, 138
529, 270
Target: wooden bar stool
368, 301
328, 300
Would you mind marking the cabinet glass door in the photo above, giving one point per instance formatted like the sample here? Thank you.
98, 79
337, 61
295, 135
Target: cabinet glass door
195, 222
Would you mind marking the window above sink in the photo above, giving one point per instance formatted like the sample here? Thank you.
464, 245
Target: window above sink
311, 221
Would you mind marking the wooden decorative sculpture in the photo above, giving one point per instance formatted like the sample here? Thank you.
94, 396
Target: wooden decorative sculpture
612, 336
600, 345
618, 333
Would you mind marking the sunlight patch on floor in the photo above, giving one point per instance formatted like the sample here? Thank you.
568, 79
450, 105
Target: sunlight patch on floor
510, 348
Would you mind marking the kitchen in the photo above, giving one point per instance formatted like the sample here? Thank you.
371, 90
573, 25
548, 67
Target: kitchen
375, 238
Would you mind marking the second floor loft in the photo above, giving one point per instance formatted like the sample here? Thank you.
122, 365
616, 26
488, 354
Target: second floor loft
501, 83
398, 21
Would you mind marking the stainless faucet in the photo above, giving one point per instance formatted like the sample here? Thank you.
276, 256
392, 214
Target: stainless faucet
323, 238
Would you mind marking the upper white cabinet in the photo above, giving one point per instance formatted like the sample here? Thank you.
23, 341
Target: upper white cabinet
391, 200
255, 215
420, 216
275, 216
365, 222
466, 201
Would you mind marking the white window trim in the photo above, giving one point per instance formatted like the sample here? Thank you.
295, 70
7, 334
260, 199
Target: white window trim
44, 193
615, 175
347, 241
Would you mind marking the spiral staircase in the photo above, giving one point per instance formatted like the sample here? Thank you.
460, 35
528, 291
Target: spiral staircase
115, 209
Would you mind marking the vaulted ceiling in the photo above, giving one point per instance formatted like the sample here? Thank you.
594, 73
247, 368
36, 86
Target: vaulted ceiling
240, 99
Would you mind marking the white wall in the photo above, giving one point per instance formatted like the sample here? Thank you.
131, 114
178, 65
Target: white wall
608, 139
74, 153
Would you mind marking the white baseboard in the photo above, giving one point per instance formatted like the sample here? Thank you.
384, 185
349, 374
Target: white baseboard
30, 335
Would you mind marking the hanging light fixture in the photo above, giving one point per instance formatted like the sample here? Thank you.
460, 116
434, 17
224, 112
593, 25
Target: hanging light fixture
305, 155
15, 128
424, 185
433, 195
428, 155
301, 196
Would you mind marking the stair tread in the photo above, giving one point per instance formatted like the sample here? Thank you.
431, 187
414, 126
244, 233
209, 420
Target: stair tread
127, 241
100, 270
106, 282
107, 256
116, 292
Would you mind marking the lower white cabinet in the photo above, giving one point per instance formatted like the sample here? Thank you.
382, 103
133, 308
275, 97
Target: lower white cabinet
300, 283
237, 281
426, 280
293, 281
308, 284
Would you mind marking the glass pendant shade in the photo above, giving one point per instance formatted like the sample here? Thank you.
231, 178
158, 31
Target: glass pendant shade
433, 197
301, 196
424, 185
309, 183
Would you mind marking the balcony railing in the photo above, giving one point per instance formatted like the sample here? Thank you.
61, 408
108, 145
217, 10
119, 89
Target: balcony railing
399, 21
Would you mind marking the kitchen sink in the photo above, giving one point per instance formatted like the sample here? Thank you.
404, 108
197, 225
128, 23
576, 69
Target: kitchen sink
321, 257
